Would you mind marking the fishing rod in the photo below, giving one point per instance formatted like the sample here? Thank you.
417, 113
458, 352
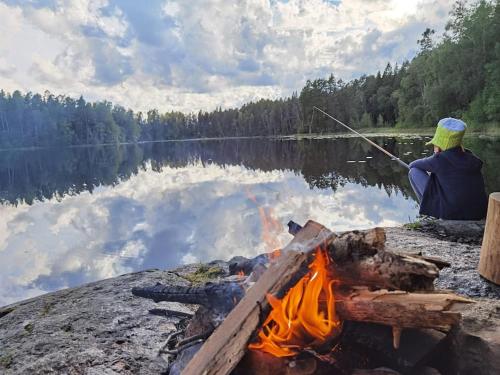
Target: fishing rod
401, 162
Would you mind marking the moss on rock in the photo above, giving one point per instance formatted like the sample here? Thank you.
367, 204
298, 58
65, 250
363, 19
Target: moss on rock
204, 273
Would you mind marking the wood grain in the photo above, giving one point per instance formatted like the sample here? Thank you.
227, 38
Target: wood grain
438, 310
489, 262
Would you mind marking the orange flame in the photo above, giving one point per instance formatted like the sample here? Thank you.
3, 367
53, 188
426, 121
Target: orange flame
305, 317
274, 255
271, 226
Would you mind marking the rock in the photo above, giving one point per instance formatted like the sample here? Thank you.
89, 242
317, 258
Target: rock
462, 231
96, 328
462, 277
461, 228
102, 328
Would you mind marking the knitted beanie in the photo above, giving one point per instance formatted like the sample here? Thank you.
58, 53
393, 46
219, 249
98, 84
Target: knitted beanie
449, 133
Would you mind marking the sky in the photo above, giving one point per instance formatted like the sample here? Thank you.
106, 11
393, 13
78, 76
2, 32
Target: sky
202, 54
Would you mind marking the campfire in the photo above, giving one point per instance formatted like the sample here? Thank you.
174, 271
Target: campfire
305, 317
323, 303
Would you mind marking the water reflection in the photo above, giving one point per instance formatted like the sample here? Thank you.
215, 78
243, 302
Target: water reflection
77, 215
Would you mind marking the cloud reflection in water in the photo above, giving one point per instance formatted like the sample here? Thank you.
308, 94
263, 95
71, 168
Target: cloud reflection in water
163, 219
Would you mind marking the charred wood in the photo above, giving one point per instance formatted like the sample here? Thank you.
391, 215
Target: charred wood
220, 296
385, 269
360, 258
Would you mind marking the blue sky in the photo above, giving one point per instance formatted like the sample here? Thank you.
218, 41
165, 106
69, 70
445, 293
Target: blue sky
202, 54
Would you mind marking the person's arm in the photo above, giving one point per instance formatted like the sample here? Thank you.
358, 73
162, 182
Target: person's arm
427, 164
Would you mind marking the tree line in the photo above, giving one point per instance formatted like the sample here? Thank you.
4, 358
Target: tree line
457, 74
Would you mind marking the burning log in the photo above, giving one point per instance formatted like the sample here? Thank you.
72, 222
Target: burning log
360, 258
227, 345
352, 265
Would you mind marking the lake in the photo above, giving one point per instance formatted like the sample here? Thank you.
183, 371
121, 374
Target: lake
74, 215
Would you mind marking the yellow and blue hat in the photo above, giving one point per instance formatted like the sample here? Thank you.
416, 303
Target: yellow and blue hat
449, 133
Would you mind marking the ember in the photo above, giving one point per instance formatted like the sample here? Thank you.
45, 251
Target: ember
305, 317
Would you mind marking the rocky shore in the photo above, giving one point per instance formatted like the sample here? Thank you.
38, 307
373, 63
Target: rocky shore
101, 328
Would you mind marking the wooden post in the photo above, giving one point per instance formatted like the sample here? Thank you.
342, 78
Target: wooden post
489, 263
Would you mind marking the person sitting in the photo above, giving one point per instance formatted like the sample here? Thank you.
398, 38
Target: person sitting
449, 184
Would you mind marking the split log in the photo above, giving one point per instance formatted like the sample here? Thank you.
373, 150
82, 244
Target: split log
360, 258
489, 262
440, 263
227, 345
400, 309
385, 270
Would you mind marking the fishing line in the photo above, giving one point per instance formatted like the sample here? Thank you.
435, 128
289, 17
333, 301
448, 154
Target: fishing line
393, 157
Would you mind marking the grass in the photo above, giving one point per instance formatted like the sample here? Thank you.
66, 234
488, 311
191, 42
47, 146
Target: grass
487, 129
204, 273
397, 130
415, 225
419, 222
492, 129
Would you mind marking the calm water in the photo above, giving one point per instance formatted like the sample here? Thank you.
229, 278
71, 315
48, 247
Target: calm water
76, 215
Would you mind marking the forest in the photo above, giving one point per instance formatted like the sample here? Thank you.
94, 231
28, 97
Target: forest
454, 74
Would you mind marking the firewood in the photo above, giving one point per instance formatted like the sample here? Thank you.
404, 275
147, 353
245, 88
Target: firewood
385, 270
400, 309
360, 258
219, 295
227, 345
440, 263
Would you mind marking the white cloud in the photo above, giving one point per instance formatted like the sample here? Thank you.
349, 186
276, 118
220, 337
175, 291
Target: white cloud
191, 55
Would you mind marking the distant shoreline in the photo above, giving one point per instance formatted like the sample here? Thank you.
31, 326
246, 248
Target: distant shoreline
370, 132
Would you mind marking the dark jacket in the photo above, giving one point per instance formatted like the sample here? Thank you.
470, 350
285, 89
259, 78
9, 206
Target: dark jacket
456, 187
